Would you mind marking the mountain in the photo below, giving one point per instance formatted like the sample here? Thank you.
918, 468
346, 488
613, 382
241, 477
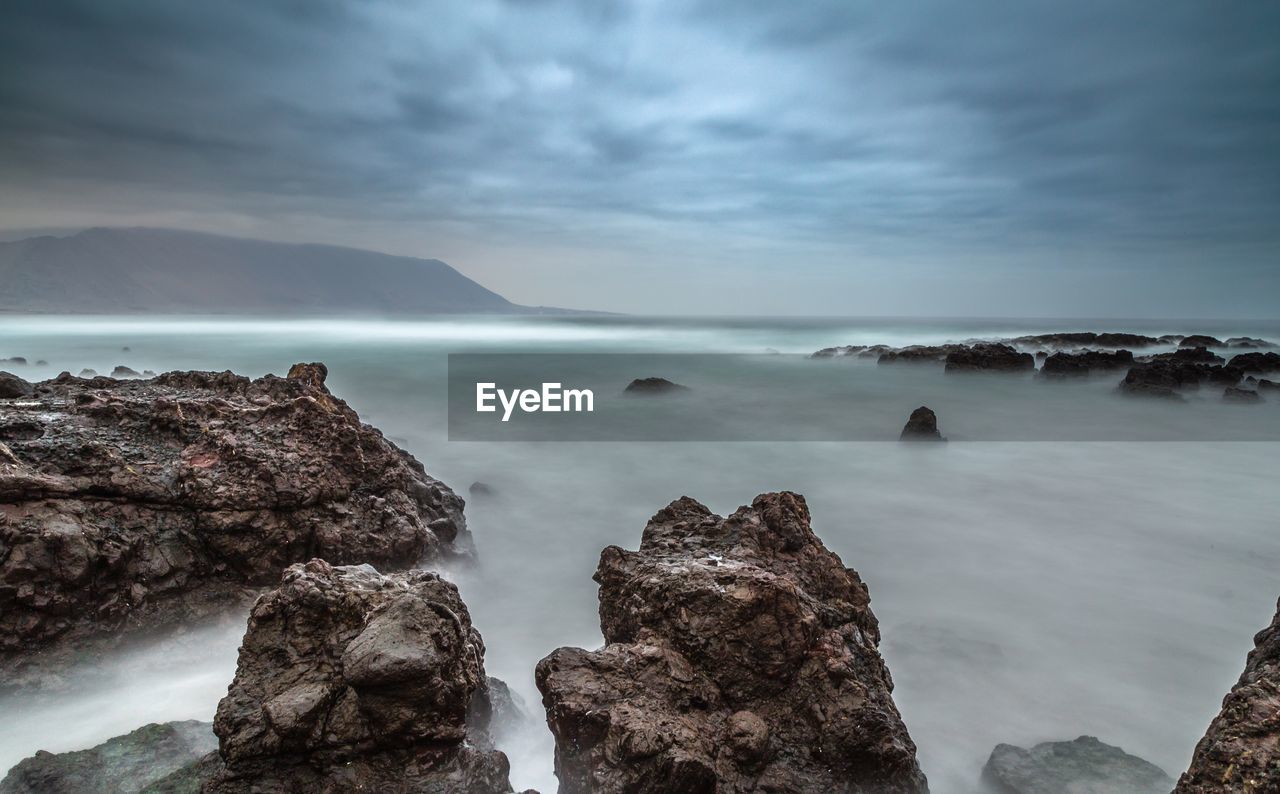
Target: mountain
168, 271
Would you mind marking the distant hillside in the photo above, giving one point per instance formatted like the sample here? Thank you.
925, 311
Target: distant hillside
166, 271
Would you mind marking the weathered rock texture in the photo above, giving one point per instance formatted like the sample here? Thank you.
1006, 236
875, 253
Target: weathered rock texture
1257, 362
137, 504
1082, 766
1165, 378
742, 656
1085, 362
1241, 750
121, 765
350, 680
921, 426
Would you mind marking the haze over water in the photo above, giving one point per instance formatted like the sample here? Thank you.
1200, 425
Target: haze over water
1027, 591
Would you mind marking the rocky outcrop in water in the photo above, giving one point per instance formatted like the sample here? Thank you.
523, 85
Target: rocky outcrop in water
1247, 342
1198, 355
918, 354
350, 680
1166, 378
1241, 749
1082, 766
130, 505
1233, 394
1085, 362
122, 765
1201, 340
992, 357
1256, 362
741, 656
1080, 339
653, 386
922, 425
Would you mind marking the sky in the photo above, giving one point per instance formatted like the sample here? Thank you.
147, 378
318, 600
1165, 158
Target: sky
1014, 159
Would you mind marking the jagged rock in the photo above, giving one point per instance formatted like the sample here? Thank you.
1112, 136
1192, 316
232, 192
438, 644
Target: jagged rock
1241, 749
741, 656
1201, 340
648, 386
1200, 355
1164, 378
125, 372
993, 357
917, 354
350, 680
1041, 355
1084, 362
126, 763
1267, 385
1235, 395
13, 387
921, 426
131, 505
1083, 766
1248, 342
1256, 362
496, 710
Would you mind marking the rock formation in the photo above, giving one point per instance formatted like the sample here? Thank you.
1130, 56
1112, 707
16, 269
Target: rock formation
1201, 340
921, 426
124, 764
648, 386
1233, 394
1080, 339
350, 680
918, 354
992, 357
742, 656
1248, 342
1199, 355
1085, 362
1256, 362
1241, 750
1083, 766
128, 505
13, 387
1165, 378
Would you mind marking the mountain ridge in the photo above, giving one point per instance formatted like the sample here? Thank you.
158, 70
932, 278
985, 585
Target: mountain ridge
132, 270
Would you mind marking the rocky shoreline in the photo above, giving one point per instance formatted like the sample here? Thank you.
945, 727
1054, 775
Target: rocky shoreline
741, 654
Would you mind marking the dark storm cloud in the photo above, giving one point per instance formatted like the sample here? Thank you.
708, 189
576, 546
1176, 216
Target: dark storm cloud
927, 128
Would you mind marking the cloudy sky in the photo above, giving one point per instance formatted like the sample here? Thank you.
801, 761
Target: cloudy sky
963, 158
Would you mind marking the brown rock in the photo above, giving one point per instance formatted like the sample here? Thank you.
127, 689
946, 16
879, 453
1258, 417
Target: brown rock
993, 357
1241, 750
741, 656
130, 505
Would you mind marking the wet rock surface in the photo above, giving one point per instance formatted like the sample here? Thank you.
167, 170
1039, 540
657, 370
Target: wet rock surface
1085, 362
1256, 362
128, 763
127, 506
350, 680
993, 357
741, 656
1201, 340
13, 387
1241, 749
922, 425
1082, 766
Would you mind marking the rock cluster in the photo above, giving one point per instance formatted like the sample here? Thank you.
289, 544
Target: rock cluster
1165, 377
350, 680
1241, 749
1079, 339
1256, 362
1201, 340
649, 386
742, 656
124, 764
138, 504
917, 354
992, 357
1082, 766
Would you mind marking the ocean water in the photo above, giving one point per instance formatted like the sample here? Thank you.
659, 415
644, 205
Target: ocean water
1103, 574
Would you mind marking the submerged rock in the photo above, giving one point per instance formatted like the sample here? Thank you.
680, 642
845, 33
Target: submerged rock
842, 351
1084, 362
1082, 766
1248, 342
17, 361
1165, 378
992, 357
1201, 355
126, 763
481, 490
647, 386
132, 505
917, 354
1235, 395
13, 387
125, 372
1241, 749
921, 426
741, 656
349, 680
